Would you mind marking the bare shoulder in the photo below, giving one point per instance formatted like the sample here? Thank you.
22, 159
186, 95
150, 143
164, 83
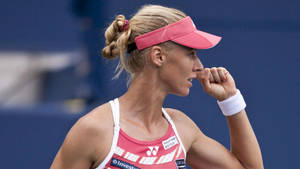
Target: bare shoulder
88, 141
94, 124
177, 115
97, 121
180, 118
185, 126
94, 130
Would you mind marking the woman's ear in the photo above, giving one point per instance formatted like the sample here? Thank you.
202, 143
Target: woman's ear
157, 56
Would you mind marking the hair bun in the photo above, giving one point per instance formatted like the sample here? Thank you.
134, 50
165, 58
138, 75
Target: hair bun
111, 51
112, 34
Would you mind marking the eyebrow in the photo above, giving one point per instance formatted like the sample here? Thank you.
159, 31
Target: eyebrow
189, 49
192, 50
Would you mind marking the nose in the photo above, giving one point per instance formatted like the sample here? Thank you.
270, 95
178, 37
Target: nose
198, 66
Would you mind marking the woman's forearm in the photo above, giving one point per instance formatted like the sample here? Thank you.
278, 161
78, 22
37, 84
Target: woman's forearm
244, 144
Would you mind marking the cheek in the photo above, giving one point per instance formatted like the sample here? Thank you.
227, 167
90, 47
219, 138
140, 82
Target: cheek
175, 81
184, 68
167, 76
178, 70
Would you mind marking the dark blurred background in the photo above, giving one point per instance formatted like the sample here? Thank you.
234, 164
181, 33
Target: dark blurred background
52, 72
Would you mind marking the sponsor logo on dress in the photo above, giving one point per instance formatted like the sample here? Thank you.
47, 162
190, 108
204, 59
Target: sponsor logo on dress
122, 164
180, 163
152, 150
170, 142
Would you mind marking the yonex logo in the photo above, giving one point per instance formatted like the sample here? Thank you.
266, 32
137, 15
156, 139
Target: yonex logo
152, 150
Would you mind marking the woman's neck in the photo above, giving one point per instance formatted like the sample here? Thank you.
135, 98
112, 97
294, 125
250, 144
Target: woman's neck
143, 100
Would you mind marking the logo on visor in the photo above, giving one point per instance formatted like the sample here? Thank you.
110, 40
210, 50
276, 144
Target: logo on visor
193, 24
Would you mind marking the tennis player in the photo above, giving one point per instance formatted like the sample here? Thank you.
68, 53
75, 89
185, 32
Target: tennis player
157, 47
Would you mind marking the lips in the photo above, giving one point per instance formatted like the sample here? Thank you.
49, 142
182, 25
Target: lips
190, 82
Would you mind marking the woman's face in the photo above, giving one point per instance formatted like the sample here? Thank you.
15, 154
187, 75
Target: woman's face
180, 69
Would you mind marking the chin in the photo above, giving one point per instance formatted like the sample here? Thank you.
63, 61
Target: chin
182, 93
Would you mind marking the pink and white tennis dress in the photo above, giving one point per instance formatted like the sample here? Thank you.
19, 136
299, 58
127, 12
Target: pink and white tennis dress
126, 152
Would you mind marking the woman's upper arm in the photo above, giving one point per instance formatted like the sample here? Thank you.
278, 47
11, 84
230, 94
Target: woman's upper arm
207, 153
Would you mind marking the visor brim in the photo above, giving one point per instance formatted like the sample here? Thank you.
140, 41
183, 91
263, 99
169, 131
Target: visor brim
198, 40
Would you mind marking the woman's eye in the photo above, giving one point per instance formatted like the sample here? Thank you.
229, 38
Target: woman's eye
192, 54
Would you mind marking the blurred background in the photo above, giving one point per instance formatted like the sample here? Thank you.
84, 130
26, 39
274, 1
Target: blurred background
52, 72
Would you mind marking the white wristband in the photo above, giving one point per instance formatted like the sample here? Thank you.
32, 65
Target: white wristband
233, 104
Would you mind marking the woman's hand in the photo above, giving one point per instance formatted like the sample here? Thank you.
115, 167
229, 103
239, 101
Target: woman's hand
217, 82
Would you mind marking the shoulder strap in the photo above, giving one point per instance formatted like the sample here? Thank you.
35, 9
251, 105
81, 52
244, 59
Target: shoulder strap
115, 111
174, 128
116, 115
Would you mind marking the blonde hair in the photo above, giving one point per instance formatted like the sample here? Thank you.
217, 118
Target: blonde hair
147, 19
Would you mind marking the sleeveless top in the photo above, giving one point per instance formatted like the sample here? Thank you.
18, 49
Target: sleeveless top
126, 152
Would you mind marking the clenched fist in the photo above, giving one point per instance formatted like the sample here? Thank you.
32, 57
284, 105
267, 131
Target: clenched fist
217, 82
